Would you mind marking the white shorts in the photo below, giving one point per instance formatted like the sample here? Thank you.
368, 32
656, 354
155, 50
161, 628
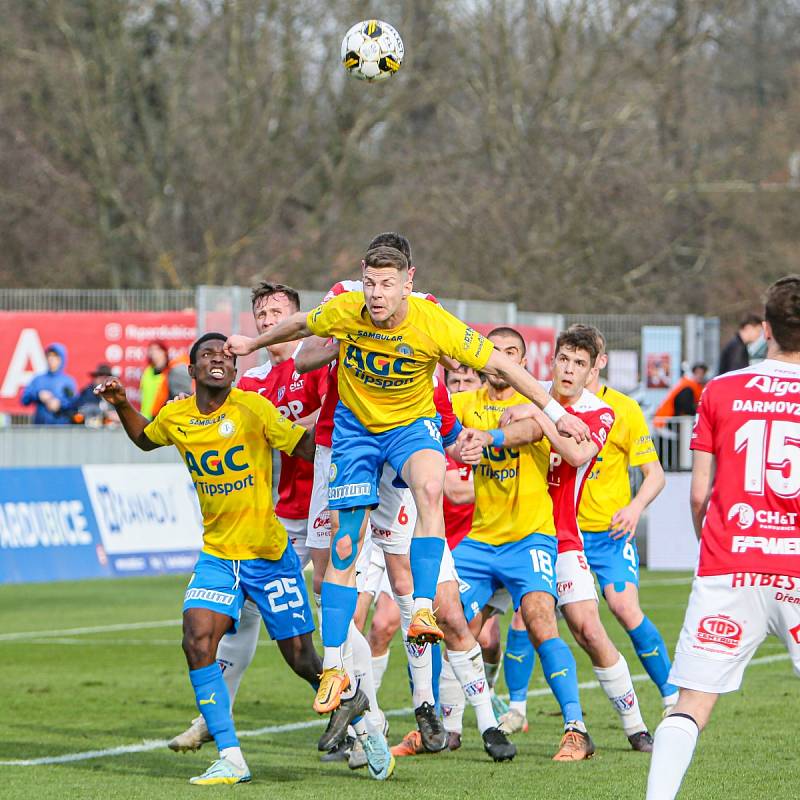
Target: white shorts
376, 577
499, 602
363, 564
727, 619
391, 523
319, 517
296, 528
574, 579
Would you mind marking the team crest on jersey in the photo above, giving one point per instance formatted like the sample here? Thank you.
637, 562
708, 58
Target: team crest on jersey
226, 428
332, 476
745, 514
607, 420
281, 393
404, 349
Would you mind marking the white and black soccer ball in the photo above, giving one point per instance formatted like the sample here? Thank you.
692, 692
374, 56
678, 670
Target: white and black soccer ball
372, 50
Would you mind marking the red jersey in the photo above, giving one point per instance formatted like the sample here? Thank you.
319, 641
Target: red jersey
566, 482
457, 518
750, 421
295, 396
324, 432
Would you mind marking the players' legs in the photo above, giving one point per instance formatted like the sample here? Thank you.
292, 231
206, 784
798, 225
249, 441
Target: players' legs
385, 623
518, 664
299, 653
237, 649
491, 649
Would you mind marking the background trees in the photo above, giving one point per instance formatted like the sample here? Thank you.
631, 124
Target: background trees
572, 155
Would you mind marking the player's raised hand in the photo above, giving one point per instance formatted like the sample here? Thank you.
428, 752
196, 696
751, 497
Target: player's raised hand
515, 413
238, 345
570, 425
624, 522
112, 391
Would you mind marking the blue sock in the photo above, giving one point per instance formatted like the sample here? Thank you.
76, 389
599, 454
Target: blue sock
518, 662
561, 674
652, 651
436, 671
338, 607
426, 558
214, 703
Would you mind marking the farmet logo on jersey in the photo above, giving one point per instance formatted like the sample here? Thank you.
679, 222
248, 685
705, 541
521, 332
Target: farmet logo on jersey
211, 462
770, 385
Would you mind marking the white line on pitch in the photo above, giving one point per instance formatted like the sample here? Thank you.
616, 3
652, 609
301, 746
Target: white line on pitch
156, 744
122, 626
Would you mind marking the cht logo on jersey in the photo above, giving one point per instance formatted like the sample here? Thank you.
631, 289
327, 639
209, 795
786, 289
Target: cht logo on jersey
720, 629
743, 514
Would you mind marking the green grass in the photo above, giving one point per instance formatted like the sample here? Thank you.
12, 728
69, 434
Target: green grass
76, 692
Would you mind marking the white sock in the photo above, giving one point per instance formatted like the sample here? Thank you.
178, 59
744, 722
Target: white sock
333, 657
674, 745
419, 657
362, 672
423, 602
451, 698
379, 667
235, 651
468, 668
519, 705
492, 670
617, 684
234, 755
349, 666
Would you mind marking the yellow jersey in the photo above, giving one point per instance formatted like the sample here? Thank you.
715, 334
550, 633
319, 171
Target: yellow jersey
608, 488
229, 457
386, 374
511, 495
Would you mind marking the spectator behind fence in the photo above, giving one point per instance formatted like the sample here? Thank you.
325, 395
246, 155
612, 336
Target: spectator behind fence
88, 408
162, 379
50, 390
683, 397
735, 355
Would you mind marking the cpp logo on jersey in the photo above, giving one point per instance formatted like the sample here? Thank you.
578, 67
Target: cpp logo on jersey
744, 514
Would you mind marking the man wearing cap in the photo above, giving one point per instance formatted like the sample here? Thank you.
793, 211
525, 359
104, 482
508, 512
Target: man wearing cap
87, 407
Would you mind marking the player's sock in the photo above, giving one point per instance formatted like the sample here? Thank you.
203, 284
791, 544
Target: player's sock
426, 558
468, 668
362, 672
419, 657
673, 748
318, 601
518, 663
236, 650
492, 670
234, 755
618, 686
338, 607
436, 671
561, 674
214, 703
379, 666
451, 696
652, 651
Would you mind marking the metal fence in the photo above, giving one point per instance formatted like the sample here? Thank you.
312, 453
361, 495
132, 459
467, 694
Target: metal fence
97, 299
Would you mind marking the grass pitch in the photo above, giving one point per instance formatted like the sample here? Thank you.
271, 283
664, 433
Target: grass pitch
97, 665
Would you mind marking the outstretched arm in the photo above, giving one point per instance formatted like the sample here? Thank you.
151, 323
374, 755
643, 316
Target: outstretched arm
316, 352
566, 424
287, 330
113, 392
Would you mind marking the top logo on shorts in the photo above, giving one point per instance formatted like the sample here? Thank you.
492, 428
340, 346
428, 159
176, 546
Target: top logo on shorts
226, 428
404, 349
720, 629
744, 512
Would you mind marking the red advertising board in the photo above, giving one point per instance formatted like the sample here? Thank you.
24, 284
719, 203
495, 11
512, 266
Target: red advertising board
539, 343
116, 338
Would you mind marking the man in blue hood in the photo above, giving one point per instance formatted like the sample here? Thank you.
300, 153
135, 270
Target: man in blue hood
52, 389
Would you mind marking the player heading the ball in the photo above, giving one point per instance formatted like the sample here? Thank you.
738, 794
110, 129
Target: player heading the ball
390, 345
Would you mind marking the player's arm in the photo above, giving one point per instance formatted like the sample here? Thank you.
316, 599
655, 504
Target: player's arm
458, 491
305, 447
289, 329
470, 445
626, 520
565, 423
113, 392
574, 452
316, 352
309, 420
702, 482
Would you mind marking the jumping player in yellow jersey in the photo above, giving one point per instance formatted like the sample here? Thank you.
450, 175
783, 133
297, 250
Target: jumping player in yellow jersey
225, 437
512, 543
390, 344
608, 517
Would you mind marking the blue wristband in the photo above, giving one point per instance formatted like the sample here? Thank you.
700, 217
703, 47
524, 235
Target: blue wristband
498, 437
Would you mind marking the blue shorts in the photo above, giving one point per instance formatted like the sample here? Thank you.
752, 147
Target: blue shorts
614, 561
276, 587
358, 456
525, 566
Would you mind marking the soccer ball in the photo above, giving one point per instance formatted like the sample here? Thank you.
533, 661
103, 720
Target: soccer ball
372, 50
